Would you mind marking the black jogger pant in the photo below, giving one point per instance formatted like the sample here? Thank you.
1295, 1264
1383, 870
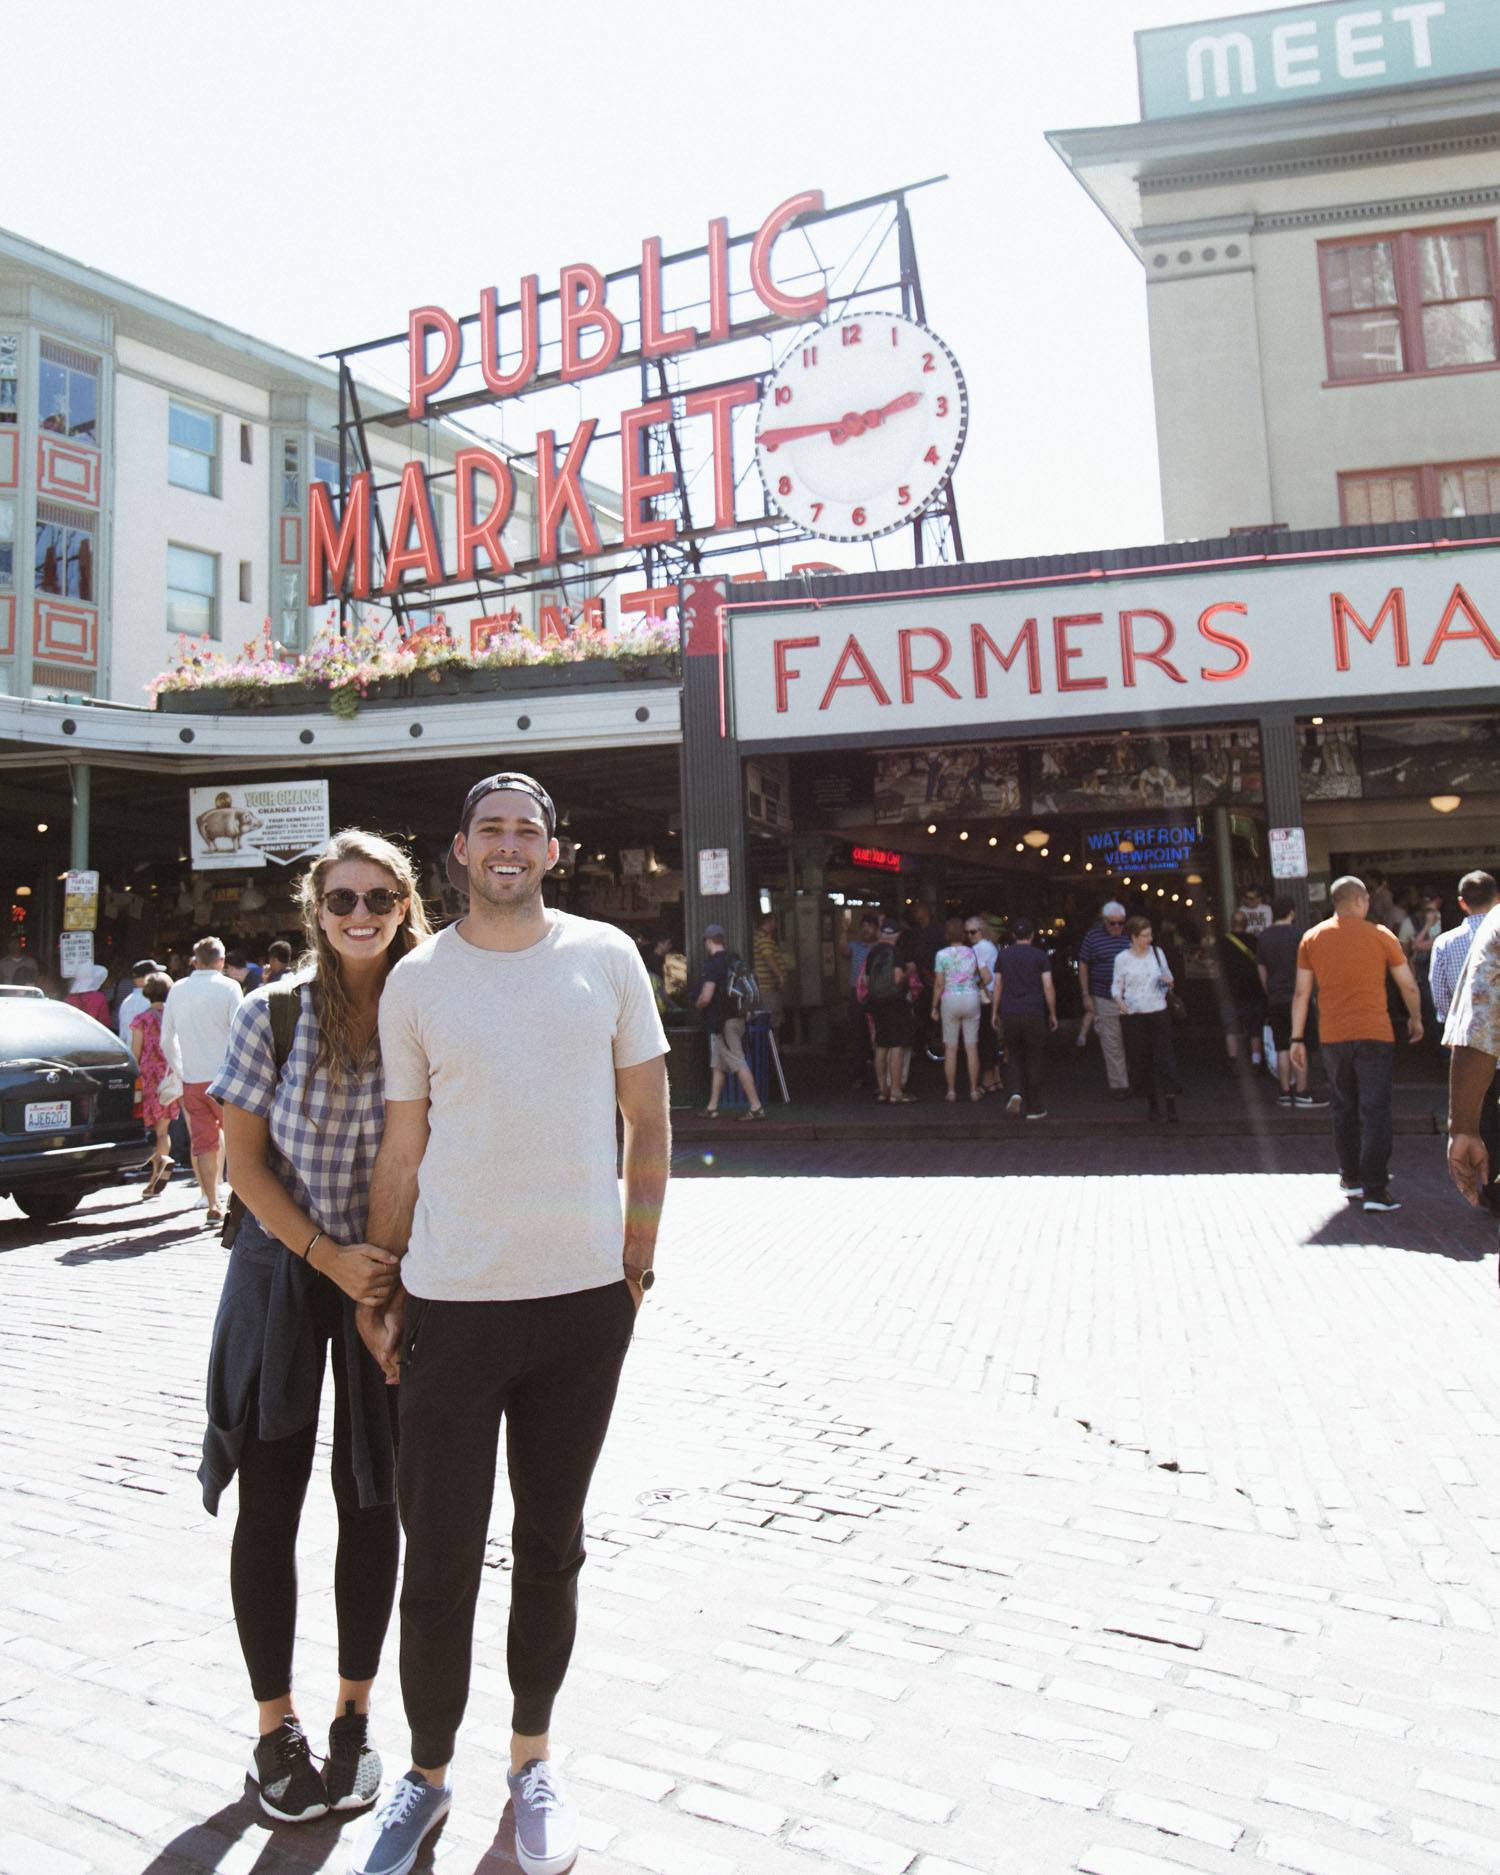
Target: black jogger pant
550, 1366
273, 1479
1026, 1058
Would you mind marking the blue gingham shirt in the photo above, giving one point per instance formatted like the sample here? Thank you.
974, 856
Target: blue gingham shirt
323, 1145
1449, 954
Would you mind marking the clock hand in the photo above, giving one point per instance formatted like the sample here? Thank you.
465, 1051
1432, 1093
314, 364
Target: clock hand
770, 439
852, 423
907, 401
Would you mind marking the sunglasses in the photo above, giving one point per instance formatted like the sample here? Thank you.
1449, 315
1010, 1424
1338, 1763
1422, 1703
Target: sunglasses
382, 901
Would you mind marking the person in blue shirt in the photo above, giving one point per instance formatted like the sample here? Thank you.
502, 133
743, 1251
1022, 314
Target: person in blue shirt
1096, 968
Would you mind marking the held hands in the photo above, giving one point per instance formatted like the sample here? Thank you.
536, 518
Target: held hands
381, 1328
365, 1272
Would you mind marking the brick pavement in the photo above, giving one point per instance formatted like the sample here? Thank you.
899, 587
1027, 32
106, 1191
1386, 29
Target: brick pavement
1131, 1511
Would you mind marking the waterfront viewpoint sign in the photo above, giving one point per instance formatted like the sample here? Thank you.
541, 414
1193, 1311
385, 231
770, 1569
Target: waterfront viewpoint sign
1294, 54
1394, 626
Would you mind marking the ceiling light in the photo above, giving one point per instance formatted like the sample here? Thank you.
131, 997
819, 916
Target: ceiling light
1187, 901
1195, 878
994, 839
1444, 803
1020, 846
1317, 722
41, 826
931, 827
964, 835
1175, 897
1067, 859
1125, 880
1038, 836
1088, 865
1045, 851
1125, 846
23, 891
1161, 891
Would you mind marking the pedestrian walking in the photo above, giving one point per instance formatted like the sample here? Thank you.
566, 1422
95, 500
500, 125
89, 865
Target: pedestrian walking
887, 997
985, 949
86, 992
1347, 959
725, 1021
195, 1027
135, 1001
511, 1041
301, 1089
159, 1105
1472, 1033
1259, 916
1101, 945
1477, 896
958, 988
1276, 965
1242, 1009
917, 950
1417, 937
1024, 1007
1141, 985
861, 1039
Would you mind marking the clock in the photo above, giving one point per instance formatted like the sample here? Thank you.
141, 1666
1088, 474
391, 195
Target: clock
860, 426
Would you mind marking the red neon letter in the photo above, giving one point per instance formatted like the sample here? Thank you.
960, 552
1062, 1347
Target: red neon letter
784, 674
718, 280
557, 489
330, 549
1344, 615
720, 403
1228, 641
419, 325
929, 673
784, 305
863, 677
654, 342
636, 485
552, 625
474, 532
581, 301
1130, 656
1461, 602
506, 383
980, 641
412, 505
1066, 652
652, 600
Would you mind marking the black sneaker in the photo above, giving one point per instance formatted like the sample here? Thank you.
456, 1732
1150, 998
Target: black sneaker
353, 1772
290, 1789
1351, 1187
1308, 1103
1037, 1113
1385, 1202
1284, 1100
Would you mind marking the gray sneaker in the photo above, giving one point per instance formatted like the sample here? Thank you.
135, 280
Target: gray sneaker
392, 1839
546, 1822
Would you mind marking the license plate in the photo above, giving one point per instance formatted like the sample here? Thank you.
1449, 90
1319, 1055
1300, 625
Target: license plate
48, 1116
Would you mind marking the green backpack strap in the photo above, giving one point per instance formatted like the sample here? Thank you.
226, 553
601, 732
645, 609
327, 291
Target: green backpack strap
284, 1000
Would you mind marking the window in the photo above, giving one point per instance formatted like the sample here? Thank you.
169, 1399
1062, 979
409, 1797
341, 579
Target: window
64, 552
326, 462
244, 582
7, 545
1423, 301
247, 451
192, 449
9, 352
1426, 492
68, 393
192, 592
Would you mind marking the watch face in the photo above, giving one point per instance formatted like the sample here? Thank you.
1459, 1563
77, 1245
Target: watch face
860, 426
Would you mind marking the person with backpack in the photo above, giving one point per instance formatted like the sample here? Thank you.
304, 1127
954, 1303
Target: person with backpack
728, 997
302, 1091
884, 991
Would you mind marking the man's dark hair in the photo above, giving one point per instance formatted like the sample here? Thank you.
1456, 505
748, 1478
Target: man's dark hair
1022, 929
279, 952
236, 959
1283, 907
1478, 890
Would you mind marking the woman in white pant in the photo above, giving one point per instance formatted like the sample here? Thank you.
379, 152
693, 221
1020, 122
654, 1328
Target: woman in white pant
958, 986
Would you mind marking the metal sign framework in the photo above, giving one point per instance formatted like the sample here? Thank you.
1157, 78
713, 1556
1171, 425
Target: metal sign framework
882, 243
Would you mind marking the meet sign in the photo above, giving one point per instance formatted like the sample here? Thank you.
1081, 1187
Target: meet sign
1295, 54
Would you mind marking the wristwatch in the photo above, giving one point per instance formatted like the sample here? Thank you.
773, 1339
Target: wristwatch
642, 1275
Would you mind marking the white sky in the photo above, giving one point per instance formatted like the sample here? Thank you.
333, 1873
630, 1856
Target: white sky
308, 170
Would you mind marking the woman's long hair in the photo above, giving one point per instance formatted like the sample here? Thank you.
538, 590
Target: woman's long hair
336, 1045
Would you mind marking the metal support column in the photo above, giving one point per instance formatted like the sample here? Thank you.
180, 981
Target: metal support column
1224, 865
80, 776
1283, 776
713, 785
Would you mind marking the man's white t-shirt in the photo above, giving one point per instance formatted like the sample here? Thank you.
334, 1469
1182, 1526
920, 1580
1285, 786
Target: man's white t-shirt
135, 1004
516, 1052
195, 1023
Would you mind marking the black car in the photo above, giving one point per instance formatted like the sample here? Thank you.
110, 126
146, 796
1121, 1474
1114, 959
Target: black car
70, 1105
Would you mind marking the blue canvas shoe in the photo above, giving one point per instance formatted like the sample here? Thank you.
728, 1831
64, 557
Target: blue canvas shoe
546, 1822
392, 1839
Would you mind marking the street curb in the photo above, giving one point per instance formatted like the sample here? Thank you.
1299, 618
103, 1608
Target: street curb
695, 1129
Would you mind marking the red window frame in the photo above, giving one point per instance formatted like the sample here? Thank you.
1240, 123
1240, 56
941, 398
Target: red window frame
1428, 478
1409, 301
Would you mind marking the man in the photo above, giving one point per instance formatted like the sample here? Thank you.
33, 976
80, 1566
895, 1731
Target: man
917, 949
984, 948
509, 1042
1258, 914
1347, 958
1096, 971
856, 950
242, 968
726, 1028
135, 1002
194, 1033
887, 998
1024, 1006
1473, 1034
1276, 965
1477, 897
278, 960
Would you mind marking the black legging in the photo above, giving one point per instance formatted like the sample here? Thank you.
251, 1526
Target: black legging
273, 1477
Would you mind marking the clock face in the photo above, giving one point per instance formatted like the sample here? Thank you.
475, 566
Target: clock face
860, 426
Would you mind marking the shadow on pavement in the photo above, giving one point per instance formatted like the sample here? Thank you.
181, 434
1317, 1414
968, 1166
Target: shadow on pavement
1416, 1227
500, 1857
118, 1247
285, 1849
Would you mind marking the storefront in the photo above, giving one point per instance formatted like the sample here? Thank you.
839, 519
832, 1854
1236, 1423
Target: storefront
1035, 738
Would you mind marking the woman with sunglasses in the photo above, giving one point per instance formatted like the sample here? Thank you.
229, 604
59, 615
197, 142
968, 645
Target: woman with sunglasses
303, 1115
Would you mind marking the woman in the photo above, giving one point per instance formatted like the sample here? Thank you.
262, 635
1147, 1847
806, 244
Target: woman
301, 1138
86, 992
1140, 987
145, 1044
958, 979
770, 969
1242, 999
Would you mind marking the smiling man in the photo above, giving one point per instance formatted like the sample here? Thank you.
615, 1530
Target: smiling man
508, 1040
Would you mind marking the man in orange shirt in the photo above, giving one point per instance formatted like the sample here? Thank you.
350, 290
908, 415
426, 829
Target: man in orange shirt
1347, 958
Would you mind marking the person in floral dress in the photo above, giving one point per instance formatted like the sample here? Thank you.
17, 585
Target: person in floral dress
145, 1042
